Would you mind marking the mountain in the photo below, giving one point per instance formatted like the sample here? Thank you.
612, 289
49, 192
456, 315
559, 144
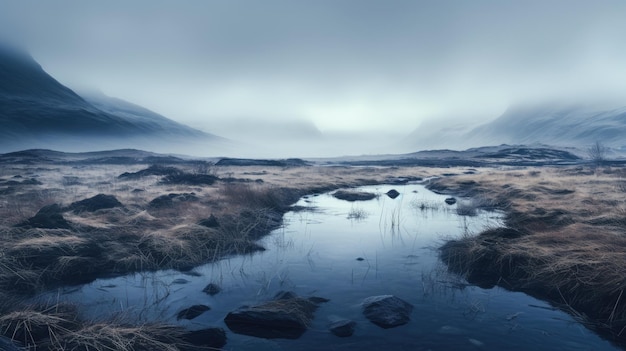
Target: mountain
555, 123
36, 111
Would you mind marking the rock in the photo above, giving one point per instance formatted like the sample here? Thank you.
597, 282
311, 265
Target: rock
210, 222
393, 193
213, 338
212, 289
48, 217
450, 200
286, 317
192, 312
360, 259
353, 195
165, 201
387, 311
189, 179
342, 328
92, 204
180, 281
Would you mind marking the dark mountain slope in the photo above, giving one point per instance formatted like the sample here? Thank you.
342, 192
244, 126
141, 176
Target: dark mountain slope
36, 111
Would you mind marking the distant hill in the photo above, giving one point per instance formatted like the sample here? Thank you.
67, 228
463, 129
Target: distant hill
36, 111
557, 124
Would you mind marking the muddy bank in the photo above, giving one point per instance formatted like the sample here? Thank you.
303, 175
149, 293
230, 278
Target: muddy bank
563, 242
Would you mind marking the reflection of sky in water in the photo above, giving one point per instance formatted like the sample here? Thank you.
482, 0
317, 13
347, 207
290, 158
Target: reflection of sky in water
316, 254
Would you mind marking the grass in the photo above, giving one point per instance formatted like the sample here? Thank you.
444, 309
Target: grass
565, 239
137, 237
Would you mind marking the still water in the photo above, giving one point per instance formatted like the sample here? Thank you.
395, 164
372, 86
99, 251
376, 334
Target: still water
346, 252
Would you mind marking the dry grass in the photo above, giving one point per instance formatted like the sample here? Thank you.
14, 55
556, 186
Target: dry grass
568, 243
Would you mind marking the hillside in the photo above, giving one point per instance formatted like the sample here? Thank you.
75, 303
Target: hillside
36, 111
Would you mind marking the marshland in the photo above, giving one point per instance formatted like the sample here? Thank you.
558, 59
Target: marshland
116, 256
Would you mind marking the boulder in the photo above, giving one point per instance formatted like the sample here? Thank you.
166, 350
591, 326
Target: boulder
48, 217
210, 222
192, 312
342, 328
92, 204
166, 201
287, 317
387, 311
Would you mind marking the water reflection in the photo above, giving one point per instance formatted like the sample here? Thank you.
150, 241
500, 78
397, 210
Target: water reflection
347, 251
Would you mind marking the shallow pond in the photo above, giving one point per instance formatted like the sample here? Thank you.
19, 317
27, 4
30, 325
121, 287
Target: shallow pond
346, 252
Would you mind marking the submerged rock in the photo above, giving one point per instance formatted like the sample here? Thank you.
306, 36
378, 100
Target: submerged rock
353, 195
212, 289
213, 338
450, 201
387, 311
192, 312
342, 328
287, 317
393, 193
7, 345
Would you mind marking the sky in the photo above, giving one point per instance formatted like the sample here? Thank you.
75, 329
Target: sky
326, 67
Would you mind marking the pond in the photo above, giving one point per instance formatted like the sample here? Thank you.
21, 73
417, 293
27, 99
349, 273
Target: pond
348, 251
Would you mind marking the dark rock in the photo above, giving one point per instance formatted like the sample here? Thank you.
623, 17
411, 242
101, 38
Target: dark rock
342, 328
92, 204
393, 193
210, 222
48, 217
450, 201
180, 281
290, 162
152, 170
387, 311
192, 312
353, 195
135, 191
165, 201
360, 259
189, 179
212, 289
317, 300
287, 317
213, 338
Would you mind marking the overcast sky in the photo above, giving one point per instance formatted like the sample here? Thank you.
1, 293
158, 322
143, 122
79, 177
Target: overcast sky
343, 65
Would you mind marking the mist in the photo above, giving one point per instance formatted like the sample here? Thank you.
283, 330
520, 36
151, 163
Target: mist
327, 77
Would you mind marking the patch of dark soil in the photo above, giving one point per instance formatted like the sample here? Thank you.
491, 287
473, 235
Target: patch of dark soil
351, 196
48, 217
92, 204
169, 200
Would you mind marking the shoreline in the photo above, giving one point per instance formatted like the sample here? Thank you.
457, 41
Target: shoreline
563, 240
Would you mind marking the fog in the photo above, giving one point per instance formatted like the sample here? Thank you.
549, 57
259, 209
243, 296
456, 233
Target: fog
302, 74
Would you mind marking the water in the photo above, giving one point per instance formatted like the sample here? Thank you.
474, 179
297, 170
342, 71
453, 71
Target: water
316, 253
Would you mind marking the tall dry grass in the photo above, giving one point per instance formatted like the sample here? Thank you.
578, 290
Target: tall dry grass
566, 239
